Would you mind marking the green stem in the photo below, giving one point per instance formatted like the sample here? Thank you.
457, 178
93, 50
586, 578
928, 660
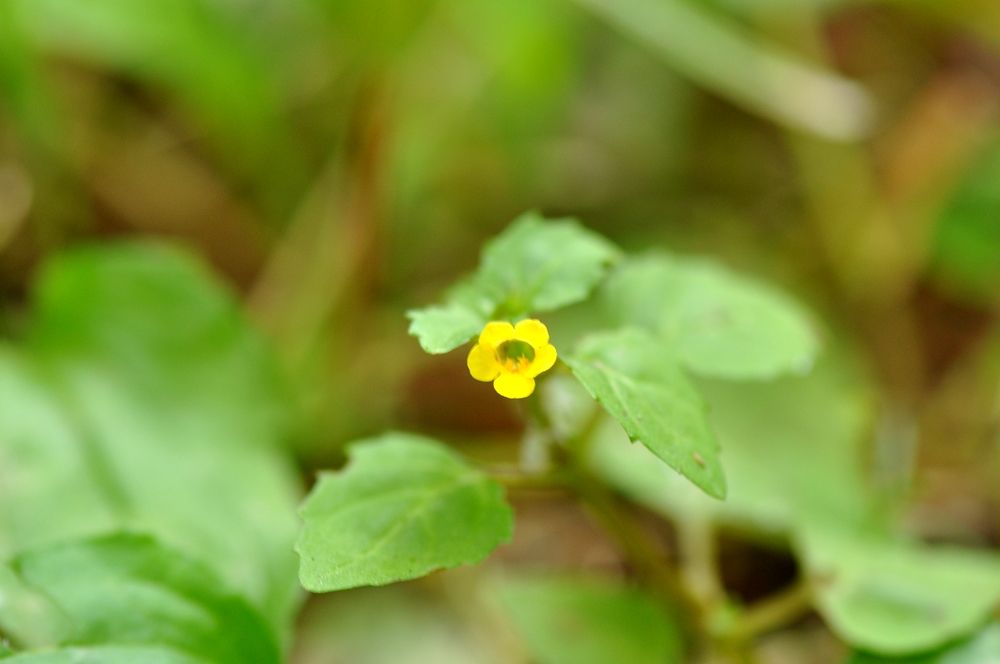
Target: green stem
773, 613
645, 557
515, 478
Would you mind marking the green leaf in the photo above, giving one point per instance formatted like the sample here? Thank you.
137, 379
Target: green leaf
633, 377
27, 616
538, 265
189, 46
533, 266
397, 624
717, 323
403, 507
586, 621
966, 245
128, 590
441, 329
899, 598
105, 655
983, 648
144, 400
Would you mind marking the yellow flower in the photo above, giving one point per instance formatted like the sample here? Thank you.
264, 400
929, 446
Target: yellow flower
511, 356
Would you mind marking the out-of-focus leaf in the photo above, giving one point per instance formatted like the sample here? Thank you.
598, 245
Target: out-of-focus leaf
533, 266
717, 54
641, 386
374, 29
717, 323
27, 616
966, 249
402, 623
531, 49
22, 90
403, 507
187, 46
146, 401
105, 655
128, 590
586, 621
899, 598
983, 648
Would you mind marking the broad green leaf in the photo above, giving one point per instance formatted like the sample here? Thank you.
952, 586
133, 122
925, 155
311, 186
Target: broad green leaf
899, 598
717, 323
586, 621
633, 377
441, 329
403, 507
539, 265
144, 400
128, 590
983, 648
533, 266
5, 650
105, 655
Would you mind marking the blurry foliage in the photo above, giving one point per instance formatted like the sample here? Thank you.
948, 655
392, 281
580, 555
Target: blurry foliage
338, 163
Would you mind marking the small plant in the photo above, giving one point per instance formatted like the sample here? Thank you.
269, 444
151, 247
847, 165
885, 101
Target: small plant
406, 505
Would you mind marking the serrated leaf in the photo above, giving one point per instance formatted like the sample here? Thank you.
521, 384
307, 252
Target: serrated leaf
533, 266
899, 598
403, 507
143, 399
634, 378
539, 265
792, 451
442, 329
717, 323
128, 590
983, 648
588, 621
105, 655
793, 462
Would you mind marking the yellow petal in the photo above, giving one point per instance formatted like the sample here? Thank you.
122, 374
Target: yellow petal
545, 357
513, 385
532, 331
483, 363
496, 333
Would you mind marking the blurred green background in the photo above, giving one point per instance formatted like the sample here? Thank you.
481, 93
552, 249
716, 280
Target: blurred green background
337, 162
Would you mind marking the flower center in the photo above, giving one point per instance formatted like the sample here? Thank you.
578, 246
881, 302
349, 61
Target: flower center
515, 355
